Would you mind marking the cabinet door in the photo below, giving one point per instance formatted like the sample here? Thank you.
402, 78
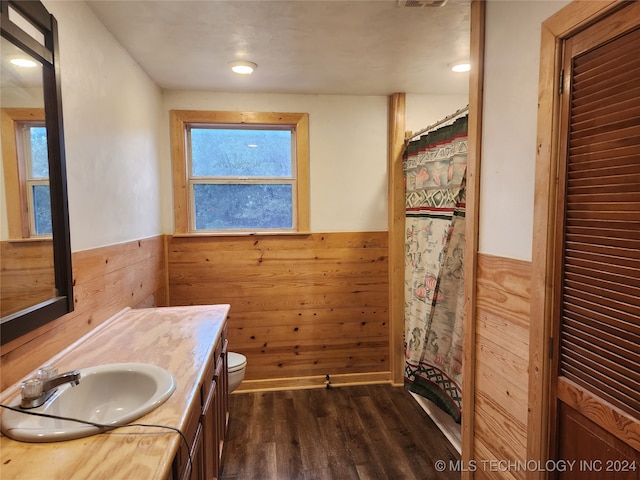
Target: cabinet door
224, 387
187, 464
210, 433
220, 408
194, 469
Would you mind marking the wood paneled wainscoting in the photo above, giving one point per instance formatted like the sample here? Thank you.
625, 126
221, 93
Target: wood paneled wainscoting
27, 275
501, 372
302, 306
106, 280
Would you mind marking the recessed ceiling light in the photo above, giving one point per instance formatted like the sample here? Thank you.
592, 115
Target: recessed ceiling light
23, 62
461, 67
243, 68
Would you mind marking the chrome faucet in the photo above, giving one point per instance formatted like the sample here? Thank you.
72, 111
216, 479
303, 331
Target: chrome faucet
38, 390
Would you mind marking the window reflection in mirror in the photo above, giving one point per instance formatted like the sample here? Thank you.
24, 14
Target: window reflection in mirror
36, 166
27, 275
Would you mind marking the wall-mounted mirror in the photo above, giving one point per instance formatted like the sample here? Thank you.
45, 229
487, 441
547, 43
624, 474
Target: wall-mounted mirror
35, 254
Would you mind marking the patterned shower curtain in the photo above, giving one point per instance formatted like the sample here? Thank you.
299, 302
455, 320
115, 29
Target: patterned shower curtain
434, 174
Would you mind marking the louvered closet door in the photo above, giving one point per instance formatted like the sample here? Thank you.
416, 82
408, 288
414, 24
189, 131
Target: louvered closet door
597, 302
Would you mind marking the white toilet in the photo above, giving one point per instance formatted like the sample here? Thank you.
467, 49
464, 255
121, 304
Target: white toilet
236, 366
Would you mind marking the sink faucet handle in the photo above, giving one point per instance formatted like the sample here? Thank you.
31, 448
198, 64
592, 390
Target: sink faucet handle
37, 390
32, 388
48, 372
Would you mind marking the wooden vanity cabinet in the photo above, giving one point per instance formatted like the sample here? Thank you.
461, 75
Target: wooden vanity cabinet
182, 468
207, 424
188, 341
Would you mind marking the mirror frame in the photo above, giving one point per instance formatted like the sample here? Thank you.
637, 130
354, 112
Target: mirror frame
20, 323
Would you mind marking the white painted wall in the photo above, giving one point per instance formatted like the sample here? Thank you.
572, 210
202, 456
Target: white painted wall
511, 65
425, 110
111, 118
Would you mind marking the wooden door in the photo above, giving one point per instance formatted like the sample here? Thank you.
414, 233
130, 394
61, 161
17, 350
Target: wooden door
595, 391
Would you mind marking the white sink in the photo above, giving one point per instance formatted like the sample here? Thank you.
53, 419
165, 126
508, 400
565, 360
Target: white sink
112, 394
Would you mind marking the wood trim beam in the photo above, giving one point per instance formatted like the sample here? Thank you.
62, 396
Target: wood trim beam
397, 111
302, 165
476, 89
179, 170
542, 257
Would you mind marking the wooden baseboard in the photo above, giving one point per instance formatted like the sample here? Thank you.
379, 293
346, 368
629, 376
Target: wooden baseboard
313, 381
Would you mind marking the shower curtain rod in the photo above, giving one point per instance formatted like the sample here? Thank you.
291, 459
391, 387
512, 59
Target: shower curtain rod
437, 124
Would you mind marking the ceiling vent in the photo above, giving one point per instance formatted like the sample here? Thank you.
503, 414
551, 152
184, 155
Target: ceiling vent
421, 3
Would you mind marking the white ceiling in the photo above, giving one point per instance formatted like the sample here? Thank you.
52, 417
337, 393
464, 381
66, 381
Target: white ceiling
352, 47
12, 77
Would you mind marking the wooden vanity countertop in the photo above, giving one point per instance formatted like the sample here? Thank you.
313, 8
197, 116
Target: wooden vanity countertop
179, 339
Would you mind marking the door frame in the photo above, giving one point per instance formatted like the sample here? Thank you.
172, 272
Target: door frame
566, 22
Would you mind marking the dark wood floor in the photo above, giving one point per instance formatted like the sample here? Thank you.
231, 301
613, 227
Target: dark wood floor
361, 432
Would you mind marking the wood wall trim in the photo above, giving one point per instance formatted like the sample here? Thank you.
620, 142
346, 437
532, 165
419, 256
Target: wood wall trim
179, 170
397, 112
314, 381
577, 15
542, 257
302, 165
564, 23
476, 89
612, 419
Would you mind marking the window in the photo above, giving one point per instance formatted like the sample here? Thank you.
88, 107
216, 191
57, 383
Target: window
37, 178
240, 172
26, 170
